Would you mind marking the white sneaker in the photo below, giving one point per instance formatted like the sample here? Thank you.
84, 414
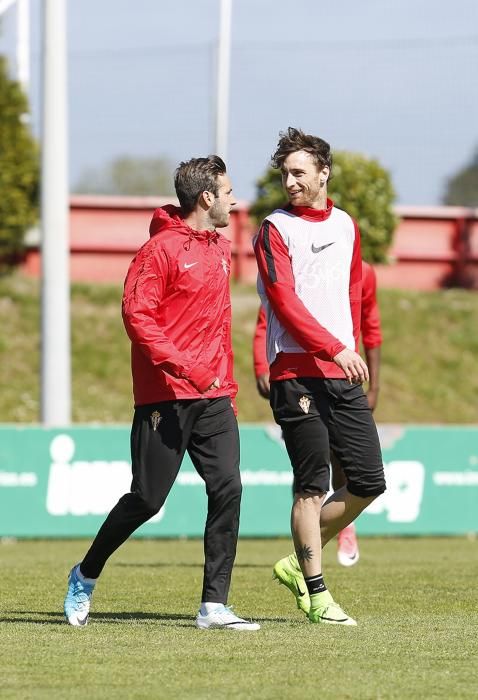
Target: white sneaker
222, 617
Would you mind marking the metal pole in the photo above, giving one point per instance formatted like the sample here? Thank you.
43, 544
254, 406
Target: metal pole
55, 355
5, 4
223, 77
23, 44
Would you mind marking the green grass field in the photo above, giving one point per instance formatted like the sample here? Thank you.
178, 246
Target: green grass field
428, 367
414, 599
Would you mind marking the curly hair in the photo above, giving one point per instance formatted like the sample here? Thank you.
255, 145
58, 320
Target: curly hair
294, 140
196, 176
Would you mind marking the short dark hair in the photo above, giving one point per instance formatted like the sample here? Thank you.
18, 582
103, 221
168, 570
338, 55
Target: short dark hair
196, 176
294, 140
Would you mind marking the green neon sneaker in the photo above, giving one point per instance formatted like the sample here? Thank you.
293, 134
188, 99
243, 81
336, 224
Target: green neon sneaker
325, 609
288, 572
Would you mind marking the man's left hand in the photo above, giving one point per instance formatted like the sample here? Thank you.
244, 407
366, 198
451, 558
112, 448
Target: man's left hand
372, 398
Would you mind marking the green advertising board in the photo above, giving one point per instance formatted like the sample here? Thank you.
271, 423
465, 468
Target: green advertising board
62, 483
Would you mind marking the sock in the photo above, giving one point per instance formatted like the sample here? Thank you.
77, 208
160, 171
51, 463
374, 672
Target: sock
84, 579
315, 584
318, 600
207, 608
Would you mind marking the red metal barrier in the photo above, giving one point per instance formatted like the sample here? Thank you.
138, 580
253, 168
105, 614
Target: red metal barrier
433, 247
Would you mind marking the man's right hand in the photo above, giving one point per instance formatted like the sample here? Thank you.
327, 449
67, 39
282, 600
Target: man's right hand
355, 369
263, 386
215, 385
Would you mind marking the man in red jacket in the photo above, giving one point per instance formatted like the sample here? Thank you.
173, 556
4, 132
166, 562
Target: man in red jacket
347, 544
310, 284
177, 313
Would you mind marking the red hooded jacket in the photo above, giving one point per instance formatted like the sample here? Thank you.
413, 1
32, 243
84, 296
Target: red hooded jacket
177, 312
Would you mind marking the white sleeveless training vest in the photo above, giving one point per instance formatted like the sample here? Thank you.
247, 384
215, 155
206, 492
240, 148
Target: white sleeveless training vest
321, 255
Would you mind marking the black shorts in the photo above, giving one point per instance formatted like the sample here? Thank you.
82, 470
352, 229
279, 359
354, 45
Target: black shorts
320, 415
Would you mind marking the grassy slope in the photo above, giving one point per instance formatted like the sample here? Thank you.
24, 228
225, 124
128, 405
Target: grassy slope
413, 600
428, 369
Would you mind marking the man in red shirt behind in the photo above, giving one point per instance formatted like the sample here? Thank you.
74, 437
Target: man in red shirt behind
177, 313
310, 284
347, 545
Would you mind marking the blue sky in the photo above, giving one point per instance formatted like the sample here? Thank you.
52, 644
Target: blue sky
396, 80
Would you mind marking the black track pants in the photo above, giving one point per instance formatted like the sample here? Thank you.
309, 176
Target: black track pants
160, 435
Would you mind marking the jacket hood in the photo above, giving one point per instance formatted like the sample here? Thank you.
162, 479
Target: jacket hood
170, 217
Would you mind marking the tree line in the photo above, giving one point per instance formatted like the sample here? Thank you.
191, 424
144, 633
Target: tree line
360, 185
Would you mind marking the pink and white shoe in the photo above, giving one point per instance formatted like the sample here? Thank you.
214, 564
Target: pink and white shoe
347, 546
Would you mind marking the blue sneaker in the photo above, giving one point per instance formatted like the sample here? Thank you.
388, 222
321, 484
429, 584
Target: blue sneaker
78, 598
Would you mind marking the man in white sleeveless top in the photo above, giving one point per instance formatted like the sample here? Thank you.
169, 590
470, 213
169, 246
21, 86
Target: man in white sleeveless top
310, 284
